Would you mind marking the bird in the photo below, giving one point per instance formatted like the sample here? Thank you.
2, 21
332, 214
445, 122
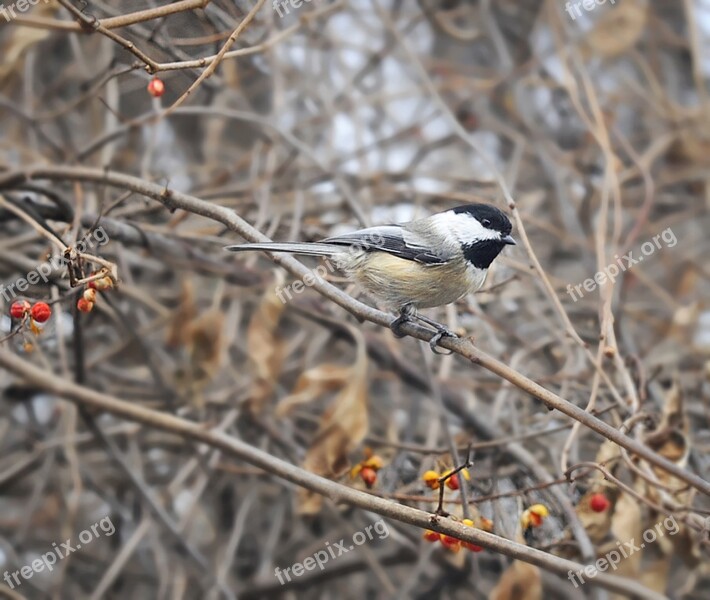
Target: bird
425, 263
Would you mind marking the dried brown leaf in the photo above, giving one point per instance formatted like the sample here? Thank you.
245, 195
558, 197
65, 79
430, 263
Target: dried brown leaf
520, 581
655, 575
206, 343
312, 384
625, 527
342, 429
21, 39
264, 346
179, 329
619, 28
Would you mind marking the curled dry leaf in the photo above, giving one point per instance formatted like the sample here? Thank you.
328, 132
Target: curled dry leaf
312, 384
343, 427
655, 575
263, 345
693, 143
179, 326
202, 336
206, 344
625, 527
21, 39
670, 441
619, 28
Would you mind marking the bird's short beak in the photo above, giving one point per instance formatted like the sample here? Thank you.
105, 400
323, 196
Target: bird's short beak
508, 240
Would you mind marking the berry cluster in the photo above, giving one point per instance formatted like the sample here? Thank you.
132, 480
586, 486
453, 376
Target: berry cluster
453, 482
39, 312
23, 311
453, 544
86, 303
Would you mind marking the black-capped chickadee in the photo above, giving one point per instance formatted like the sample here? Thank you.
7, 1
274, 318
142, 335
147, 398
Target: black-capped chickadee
420, 264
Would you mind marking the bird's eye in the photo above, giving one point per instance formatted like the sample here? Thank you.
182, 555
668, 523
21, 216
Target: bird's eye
486, 222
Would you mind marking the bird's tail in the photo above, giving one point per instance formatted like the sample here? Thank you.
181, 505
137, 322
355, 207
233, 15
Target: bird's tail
310, 249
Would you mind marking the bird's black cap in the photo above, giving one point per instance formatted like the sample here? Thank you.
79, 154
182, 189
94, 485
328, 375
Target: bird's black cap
489, 216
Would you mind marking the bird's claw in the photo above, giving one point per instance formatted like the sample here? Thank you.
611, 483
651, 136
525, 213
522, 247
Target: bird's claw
408, 313
440, 333
405, 314
396, 325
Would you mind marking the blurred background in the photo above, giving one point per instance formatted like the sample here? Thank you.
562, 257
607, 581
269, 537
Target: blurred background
325, 117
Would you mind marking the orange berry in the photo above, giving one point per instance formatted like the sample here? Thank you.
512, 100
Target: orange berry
369, 476
431, 536
19, 309
469, 545
374, 462
90, 295
599, 503
485, 524
156, 87
534, 516
431, 479
41, 312
84, 306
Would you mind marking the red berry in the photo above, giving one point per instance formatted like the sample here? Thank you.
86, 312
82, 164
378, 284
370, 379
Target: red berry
453, 482
41, 312
451, 543
369, 476
156, 87
599, 503
84, 305
89, 295
19, 309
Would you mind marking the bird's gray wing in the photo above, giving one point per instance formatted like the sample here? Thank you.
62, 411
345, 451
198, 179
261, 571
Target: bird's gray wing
397, 240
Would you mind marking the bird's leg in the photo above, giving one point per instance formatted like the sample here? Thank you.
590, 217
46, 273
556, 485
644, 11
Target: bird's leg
408, 313
441, 331
405, 314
